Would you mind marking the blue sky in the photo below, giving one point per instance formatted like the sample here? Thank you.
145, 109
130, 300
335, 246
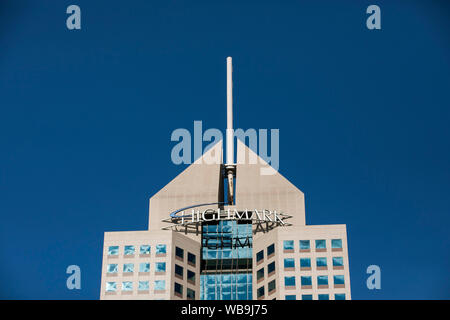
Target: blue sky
86, 118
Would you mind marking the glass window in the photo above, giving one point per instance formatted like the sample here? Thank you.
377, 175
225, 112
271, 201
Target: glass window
128, 267
113, 250
191, 276
306, 280
324, 297
161, 249
127, 286
338, 261
338, 279
111, 286
178, 288
144, 267
260, 292
321, 244
112, 268
129, 250
145, 249
321, 262
191, 258
289, 281
190, 294
336, 243
271, 267
307, 297
260, 274
270, 249
322, 280
143, 285
179, 252
289, 263
160, 284
305, 262
179, 270
271, 286
339, 296
304, 245
288, 245
290, 297
260, 255
160, 267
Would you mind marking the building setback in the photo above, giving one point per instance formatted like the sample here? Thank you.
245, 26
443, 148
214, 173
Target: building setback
229, 258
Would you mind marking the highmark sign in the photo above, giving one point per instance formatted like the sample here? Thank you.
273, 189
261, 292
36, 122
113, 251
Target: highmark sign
262, 219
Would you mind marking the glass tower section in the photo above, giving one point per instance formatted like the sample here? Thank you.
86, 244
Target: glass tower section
226, 266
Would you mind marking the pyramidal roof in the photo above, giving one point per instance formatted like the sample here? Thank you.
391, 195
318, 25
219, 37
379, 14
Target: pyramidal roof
258, 186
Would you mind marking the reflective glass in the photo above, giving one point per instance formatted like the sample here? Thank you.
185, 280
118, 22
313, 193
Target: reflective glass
324, 297
128, 267
321, 244
112, 268
289, 263
160, 267
305, 262
338, 261
322, 280
143, 285
336, 243
321, 262
306, 280
304, 245
289, 281
338, 279
127, 286
113, 250
129, 250
288, 244
339, 296
161, 249
307, 297
160, 284
144, 267
290, 297
111, 286
145, 249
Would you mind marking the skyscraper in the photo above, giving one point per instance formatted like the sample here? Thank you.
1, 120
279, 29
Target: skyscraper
225, 231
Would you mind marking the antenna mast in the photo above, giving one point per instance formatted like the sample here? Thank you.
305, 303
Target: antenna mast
229, 166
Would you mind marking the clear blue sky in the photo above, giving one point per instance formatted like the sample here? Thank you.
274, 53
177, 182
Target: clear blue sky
86, 118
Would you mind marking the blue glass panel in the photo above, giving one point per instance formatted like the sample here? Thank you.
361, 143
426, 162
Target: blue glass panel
290, 297
307, 297
129, 250
288, 244
306, 280
113, 250
305, 244
338, 261
321, 262
305, 262
322, 280
289, 263
338, 279
289, 281
336, 243
144, 249
321, 244
143, 285
324, 297
339, 296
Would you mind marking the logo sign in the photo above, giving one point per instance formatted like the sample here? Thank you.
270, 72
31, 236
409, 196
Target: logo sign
263, 220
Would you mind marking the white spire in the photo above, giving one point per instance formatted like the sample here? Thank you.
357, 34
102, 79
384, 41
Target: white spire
229, 132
